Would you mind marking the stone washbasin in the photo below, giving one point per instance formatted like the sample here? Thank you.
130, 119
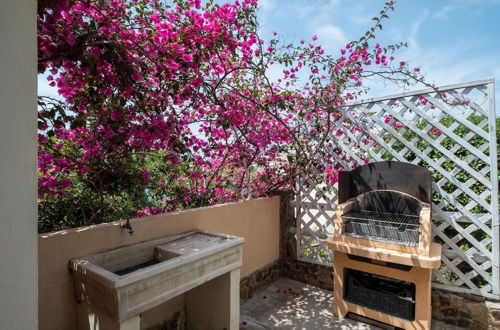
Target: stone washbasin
127, 281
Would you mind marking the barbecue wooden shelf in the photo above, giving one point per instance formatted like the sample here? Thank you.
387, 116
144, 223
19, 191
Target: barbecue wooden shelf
413, 258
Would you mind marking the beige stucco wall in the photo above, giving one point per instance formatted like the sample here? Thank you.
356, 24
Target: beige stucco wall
18, 226
257, 221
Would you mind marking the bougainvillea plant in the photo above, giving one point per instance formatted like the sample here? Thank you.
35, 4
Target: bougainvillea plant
169, 105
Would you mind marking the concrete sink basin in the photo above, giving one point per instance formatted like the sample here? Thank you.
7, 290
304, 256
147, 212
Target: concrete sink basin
127, 281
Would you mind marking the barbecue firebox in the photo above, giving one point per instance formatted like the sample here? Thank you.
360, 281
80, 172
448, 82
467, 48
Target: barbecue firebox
383, 215
383, 254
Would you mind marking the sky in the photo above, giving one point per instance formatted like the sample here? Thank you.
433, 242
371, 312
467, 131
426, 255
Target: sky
452, 41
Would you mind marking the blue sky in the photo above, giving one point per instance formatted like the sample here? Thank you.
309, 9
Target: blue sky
451, 41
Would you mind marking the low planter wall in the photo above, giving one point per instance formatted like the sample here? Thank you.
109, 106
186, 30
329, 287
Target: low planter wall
258, 221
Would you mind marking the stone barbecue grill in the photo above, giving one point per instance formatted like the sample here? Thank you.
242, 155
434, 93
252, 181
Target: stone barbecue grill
383, 253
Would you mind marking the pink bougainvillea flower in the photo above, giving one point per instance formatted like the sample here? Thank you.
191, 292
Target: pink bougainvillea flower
397, 125
187, 57
136, 76
423, 100
66, 183
436, 131
115, 115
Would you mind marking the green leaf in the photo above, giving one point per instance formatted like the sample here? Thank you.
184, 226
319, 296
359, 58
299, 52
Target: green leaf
77, 122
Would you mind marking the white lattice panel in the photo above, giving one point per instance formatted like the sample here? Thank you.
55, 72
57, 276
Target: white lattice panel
454, 136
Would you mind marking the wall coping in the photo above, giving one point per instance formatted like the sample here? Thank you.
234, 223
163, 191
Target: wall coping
144, 219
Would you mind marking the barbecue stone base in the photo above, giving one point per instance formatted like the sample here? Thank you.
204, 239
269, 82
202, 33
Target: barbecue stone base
421, 277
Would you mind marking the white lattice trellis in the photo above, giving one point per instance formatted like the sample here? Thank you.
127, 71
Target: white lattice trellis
454, 135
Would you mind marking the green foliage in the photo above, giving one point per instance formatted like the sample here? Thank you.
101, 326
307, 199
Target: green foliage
120, 194
81, 206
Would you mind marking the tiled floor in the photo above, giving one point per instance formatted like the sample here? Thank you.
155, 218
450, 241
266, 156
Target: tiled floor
292, 305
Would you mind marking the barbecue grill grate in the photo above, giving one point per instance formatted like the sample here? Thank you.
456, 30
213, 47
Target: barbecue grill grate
399, 228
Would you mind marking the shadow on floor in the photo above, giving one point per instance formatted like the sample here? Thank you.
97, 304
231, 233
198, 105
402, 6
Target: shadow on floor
288, 304
292, 305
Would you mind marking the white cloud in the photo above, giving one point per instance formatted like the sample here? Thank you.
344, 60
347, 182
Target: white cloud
265, 14
481, 1
447, 65
415, 29
331, 37
314, 10
443, 12
275, 72
267, 6
321, 18
44, 89
440, 65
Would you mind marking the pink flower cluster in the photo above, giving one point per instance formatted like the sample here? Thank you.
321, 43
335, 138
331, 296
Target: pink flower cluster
188, 85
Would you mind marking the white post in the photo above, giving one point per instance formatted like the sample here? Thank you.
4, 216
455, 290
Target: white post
18, 189
495, 223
